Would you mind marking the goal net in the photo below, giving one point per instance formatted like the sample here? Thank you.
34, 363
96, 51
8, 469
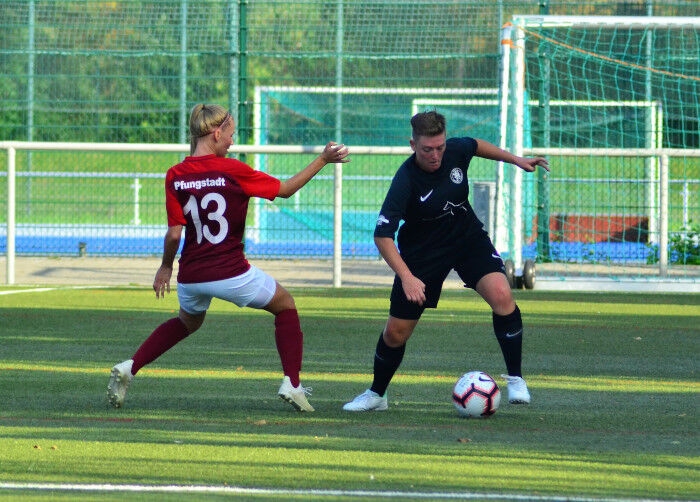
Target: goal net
612, 102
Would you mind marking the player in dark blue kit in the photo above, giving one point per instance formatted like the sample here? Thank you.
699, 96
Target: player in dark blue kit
440, 232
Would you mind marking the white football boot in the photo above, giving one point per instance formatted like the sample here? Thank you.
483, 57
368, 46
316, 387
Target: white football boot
119, 381
517, 390
296, 396
367, 401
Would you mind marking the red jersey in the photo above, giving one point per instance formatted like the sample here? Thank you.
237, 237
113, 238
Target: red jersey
209, 195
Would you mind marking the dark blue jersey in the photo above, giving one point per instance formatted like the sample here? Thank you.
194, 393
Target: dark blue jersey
434, 207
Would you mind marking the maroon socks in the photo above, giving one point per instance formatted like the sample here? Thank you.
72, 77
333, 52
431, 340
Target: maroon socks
290, 342
165, 336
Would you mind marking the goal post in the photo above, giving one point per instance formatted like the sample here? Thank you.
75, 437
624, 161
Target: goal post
602, 96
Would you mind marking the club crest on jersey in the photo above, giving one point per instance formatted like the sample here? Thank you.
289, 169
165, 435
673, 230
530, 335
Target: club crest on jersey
456, 175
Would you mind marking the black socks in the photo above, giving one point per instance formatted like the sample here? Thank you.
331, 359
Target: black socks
509, 333
386, 361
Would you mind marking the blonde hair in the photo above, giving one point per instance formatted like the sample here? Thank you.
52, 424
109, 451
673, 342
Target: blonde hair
205, 119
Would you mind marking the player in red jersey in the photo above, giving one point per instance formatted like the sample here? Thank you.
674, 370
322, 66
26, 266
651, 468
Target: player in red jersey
207, 194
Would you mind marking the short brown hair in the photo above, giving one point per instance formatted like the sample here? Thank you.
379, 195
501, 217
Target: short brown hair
430, 123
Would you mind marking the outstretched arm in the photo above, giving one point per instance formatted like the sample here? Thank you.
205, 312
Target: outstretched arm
332, 153
489, 151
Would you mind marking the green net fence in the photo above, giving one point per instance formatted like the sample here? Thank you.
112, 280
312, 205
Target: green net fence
301, 72
129, 71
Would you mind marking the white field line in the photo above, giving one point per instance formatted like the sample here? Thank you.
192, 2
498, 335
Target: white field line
389, 494
34, 290
43, 290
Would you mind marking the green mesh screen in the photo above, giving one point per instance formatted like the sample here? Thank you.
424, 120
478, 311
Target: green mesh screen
129, 72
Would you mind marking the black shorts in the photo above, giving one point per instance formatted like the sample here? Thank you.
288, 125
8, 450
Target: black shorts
477, 258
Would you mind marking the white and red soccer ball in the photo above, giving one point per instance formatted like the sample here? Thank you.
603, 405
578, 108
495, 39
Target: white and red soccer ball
476, 395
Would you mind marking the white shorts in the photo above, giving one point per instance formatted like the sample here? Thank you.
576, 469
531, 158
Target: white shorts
253, 289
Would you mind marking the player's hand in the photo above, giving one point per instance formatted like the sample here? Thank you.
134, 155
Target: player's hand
161, 283
414, 289
334, 153
530, 164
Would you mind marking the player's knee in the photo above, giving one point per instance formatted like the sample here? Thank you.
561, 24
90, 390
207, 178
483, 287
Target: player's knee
285, 300
192, 322
500, 298
396, 336
282, 300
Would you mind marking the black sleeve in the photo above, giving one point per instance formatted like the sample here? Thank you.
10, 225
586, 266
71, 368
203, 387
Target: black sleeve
394, 206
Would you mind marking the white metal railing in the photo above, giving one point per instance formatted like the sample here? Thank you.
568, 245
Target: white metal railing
12, 147
662, 154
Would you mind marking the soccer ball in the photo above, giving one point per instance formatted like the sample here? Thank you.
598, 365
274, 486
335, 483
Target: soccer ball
476, 395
